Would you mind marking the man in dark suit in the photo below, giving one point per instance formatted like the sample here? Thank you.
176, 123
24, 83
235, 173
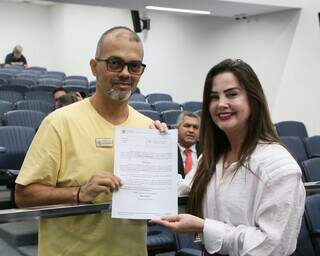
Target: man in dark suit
188, 125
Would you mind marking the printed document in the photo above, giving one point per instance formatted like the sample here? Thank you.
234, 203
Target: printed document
146, 162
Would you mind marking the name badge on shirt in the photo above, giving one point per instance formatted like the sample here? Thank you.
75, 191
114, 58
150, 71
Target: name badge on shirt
104, 142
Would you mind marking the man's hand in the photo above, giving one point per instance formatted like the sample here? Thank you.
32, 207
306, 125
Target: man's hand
101, 182
162, 127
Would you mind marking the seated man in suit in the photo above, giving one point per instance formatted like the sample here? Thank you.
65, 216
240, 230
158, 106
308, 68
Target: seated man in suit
188, 134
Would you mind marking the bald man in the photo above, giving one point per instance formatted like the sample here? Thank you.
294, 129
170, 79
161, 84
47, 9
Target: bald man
71, 157
16, 58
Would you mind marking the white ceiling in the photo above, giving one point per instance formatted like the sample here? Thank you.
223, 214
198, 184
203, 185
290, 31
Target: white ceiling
222, 8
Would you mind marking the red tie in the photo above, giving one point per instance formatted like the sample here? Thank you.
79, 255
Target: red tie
188, 161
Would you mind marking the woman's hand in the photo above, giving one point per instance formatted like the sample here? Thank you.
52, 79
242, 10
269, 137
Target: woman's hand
181, 223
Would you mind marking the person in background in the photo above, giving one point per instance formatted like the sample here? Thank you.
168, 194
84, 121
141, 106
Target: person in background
71, 158
188, 125
57, 93
16, 58
65, 100
246, 196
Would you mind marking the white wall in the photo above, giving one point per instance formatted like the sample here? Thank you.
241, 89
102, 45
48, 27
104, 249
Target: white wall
282, 47
27, 25
298, 96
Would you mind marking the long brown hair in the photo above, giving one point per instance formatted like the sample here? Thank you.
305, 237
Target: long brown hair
214, 141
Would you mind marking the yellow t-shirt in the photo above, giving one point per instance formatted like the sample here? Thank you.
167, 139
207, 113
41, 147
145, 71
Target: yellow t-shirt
64, 154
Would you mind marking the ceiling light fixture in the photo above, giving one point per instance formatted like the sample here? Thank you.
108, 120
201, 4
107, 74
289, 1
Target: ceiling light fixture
150, 7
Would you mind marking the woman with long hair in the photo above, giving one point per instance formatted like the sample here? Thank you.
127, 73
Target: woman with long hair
246, 196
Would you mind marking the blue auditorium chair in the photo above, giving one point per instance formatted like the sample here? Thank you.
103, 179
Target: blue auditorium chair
54, 74
159, 240
50, 81
6, 76
46, 88
154, 115
39, 95
311, 168
5, 106
37, 105
92, 89
84, 78
296, 147
161, 106
170, 117
16, 140
39, 69
15, 87
26, 118
76, 82
28, 76
137, 97
153, 97
312, 145
291, 128
92, 83
3, 81
139, 105
11, 96
192, 106
312, 213
23, 81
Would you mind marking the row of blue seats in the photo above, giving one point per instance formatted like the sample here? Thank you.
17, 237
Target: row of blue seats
46, 88
36, 105
37, 72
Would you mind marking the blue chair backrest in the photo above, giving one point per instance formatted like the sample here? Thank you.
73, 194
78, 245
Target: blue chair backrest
137, 97
154, 115
46, 88
26, 118
5, 106
15, 87
16, 140
161, 106
39, 69
76, 82
12, 96
153, 97
311, 168
55, 74
50, 81
304, 243
291, 128
312, 145
138, 105
37, 105
6, 77
296, 147
170, 117
77, 78
39, 95
312, 213
192, 106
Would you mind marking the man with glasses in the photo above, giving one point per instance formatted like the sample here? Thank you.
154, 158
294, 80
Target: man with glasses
71, 158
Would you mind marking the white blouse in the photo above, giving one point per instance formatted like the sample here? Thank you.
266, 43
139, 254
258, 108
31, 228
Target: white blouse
253, 214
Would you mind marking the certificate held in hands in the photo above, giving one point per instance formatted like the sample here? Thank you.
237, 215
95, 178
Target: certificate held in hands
146, 162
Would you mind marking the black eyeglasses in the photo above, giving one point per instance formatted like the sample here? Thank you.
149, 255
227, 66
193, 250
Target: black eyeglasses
117, 64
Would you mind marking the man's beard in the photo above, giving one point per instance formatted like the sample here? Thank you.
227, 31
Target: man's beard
118, 95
